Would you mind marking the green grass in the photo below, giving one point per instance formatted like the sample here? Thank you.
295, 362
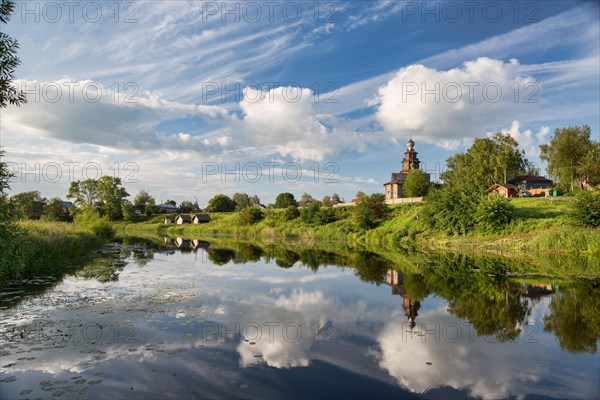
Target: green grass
45, 246
540, 225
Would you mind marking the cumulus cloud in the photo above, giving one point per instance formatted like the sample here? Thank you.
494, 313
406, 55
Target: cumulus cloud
528, 141
87, 112
284, 118
447, 107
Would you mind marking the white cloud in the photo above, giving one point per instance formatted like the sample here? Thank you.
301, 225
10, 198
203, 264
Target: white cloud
283, 118
527, 140
446, 107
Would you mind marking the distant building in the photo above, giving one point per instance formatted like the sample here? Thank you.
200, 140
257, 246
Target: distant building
183, 219
169, 219
535, 185
200, 218
167, 208
505, 189
393, 189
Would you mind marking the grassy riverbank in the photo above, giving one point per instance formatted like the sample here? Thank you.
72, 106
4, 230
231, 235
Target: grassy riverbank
540, 227
42, 247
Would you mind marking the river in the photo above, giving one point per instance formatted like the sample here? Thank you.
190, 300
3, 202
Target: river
176, 318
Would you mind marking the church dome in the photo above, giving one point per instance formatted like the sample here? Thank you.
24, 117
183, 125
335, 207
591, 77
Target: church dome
410, 144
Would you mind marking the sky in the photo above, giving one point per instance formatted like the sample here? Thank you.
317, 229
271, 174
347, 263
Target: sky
189, 99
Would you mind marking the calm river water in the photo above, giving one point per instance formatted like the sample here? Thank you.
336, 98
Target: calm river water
189, 318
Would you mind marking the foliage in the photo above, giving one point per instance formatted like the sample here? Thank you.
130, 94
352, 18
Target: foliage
9, 93
28, 205
221, 203
572, 157
285, 200
251, 215
416, 183
104, 195
144, 203
171, 202
187, 206
314, 214
370, 210
128, 210
306, 200
54, 210
291, 213
450, 210
585, 210
326, 201
242, 201
486, 162
493, 213
91, 219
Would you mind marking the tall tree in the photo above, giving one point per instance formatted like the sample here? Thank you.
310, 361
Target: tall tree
571, 157
84, 193
54, 210
186, 206
221, 203
285, 200
255, 200
143, 202
416, 183
28, 205
486, 162
242, 201
9, 94
104, 195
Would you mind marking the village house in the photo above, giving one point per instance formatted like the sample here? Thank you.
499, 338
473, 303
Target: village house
183, 219
200, 219
505, 189
169, 219
535, 185
167, 208
393, 189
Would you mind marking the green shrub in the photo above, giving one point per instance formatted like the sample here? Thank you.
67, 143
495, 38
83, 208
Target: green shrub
370, 210
585, 210
251, 215
100, 226
451, 210
291, 213
493, 213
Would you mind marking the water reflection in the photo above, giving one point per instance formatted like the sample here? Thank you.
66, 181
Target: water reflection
272, 316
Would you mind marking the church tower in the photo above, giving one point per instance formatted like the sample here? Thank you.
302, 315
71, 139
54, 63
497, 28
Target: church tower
393, 189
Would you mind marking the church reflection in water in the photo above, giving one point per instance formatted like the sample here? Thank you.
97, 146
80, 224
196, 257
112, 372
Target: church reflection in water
411, 308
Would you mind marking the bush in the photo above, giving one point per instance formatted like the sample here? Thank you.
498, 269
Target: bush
585, 210
370, 210
221, 203
451, 210
251, 215
100, 226
291, 213
416, 183
493, 213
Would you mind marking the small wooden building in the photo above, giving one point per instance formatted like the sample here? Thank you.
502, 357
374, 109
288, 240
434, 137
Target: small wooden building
505, 189
200, 219
536, 185
169, 219
183, 219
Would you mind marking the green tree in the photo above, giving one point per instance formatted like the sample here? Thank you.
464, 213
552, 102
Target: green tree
143, 202
28, 205
221, 203
360, 195
370, 210
291, 213
171, 202
336, 197
306, 199
285, 200
186, 206
104, 195
9, 93
569, 159
585, 210
128, 210
84, 193
242, 201
451, 210
54, 210
251, 215
326, 201
9, 230
255, 200
416, 183
111, 195
486, 162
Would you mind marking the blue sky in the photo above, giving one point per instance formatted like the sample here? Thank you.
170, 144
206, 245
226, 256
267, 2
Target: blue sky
170, 94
